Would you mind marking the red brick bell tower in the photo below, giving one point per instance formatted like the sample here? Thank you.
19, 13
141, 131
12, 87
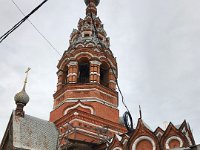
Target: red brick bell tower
86, 100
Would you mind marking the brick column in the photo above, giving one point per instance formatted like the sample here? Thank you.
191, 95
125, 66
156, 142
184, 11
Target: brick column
95, 71
59, 84
72, 72
112, 82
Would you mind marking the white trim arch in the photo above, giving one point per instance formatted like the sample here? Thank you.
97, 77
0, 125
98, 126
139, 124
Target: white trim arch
159, 133
77, 105
82, 53
108, 60
143, 138
117, 148
173, 138
80, 45
90, 44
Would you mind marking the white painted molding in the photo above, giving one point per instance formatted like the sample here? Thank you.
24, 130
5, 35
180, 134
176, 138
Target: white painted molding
159, 133
125, 141
95, 62
97, 50
60, 73
72, 63
66, 59
94, 73
187, 135
80, 44
86, 99
76, 114
117, 148
91, 99
112, 81
188, 138
92, 89
143, 138
72, 82
90, 44
81, 53
59, 83
93, 81
108, 60
173, 138
81, 105
72, 74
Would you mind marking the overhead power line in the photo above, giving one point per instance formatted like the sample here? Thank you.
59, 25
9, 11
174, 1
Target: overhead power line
37, 30
116, 80
3, 37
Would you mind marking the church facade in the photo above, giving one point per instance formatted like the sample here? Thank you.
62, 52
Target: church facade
85, 114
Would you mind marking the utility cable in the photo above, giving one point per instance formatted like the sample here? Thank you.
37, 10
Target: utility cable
42, 35
96, 34
4, 36
128, 121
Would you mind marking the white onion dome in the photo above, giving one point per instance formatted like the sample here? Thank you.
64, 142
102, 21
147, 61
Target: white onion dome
95, 1
22, 97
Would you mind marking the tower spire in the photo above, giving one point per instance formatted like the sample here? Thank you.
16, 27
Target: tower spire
91, 6
96, 2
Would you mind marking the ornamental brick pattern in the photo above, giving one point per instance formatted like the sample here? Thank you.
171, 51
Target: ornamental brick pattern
86, 98
143, 138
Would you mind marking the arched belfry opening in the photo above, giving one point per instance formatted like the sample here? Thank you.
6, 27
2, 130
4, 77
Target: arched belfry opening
83, 70
65, 76
104, 74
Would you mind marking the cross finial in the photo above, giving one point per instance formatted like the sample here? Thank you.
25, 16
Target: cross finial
140, 112
25, 81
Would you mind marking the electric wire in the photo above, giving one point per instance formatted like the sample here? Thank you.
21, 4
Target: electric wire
96, 34
4, 36
42, 35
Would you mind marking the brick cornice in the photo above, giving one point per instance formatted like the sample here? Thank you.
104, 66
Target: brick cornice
85, 86
89, 118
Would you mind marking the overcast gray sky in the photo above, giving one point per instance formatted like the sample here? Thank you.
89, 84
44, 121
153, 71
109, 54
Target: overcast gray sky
156, 43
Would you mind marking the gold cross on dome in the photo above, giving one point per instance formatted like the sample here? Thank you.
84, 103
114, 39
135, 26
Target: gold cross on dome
28, 69
25, 81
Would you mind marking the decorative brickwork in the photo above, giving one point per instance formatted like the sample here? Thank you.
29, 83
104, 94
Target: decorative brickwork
143, 138
86, 96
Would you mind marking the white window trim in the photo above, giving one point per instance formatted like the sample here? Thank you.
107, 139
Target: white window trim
77, 105
173, 138
143, 138
117, 148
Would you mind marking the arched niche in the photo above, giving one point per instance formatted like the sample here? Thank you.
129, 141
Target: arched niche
104, 74
174, 142
83, 70
144, 144
65, 75
143, 141
117, 148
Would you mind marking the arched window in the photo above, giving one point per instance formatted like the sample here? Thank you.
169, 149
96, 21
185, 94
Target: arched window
143, 141
173, 142
65, 75
84, 71
104, 74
